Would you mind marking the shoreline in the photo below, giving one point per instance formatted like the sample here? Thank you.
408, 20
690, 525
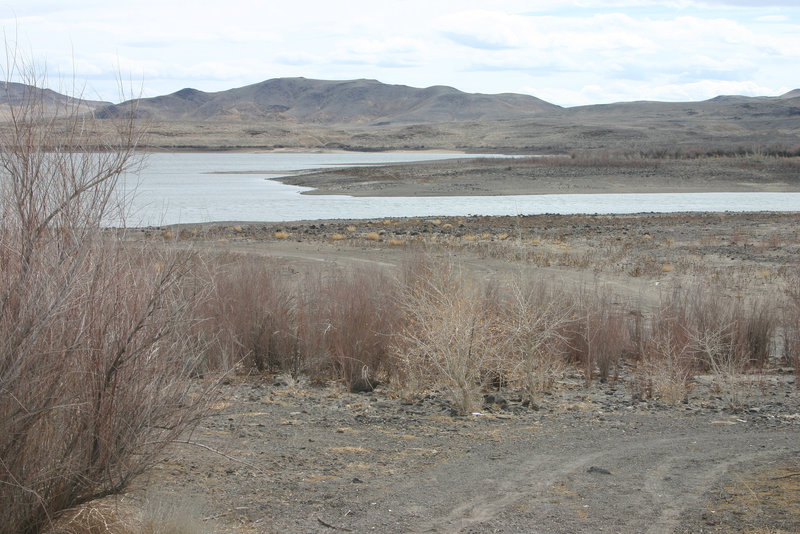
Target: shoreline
545, 176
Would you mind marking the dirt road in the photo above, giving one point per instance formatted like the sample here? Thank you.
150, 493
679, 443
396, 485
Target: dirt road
304, 459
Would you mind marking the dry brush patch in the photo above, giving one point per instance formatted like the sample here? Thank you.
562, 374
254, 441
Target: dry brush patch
534, 326
326, 324
449, 336
94, 362
439, 326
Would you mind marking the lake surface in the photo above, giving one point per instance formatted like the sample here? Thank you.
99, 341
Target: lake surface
194, 188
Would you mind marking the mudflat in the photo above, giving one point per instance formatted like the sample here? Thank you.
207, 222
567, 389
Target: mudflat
557, 175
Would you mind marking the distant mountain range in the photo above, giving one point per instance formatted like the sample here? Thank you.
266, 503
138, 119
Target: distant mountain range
302, 101
300, 114
363, 102
18, 93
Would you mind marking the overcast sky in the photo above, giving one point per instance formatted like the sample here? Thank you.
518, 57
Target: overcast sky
566, 52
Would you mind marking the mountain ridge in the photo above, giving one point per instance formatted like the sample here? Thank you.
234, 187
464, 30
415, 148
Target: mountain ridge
362, 101
366, 115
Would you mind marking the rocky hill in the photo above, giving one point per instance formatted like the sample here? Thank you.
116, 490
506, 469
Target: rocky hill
18, 94
365, 102
303, 114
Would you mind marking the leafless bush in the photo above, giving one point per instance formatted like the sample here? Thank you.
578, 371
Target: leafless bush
360, 317
717, 349
667, 360
93, 374
599, 335
533, 342
448, 336
729, 336
251, 316
791, 329
757, 331
325, 324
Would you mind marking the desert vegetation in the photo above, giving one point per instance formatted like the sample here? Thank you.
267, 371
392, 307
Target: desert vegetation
434, 325
96, 363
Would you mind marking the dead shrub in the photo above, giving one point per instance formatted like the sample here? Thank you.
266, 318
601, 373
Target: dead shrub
252, 316
448, 335
532, 327
728, 337
599, 335
359, 319
757, 332
791, 334
94, 367
667, 361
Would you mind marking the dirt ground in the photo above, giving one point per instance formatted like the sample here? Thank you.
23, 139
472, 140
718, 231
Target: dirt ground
296, 458
281, 455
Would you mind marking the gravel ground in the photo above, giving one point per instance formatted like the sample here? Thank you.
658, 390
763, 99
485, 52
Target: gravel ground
297, 458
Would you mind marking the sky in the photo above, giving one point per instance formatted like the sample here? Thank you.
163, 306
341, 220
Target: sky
569, 53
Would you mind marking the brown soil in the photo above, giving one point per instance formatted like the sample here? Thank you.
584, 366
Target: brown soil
295, 457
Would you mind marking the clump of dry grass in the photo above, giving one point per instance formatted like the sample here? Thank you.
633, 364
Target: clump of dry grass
159, 514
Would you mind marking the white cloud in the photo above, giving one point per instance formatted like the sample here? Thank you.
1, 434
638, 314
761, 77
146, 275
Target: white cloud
568, 52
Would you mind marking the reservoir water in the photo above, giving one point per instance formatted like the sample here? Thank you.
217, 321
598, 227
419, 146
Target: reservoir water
194, 188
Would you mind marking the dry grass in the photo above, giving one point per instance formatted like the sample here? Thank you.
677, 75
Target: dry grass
158, 515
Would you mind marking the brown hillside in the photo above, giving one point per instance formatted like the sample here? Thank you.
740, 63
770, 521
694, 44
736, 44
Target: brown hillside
300, 100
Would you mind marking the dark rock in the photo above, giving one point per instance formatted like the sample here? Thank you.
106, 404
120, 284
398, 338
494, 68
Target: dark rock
598, 470
363, 385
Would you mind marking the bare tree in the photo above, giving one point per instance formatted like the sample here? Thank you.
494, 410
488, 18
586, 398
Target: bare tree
93, 371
